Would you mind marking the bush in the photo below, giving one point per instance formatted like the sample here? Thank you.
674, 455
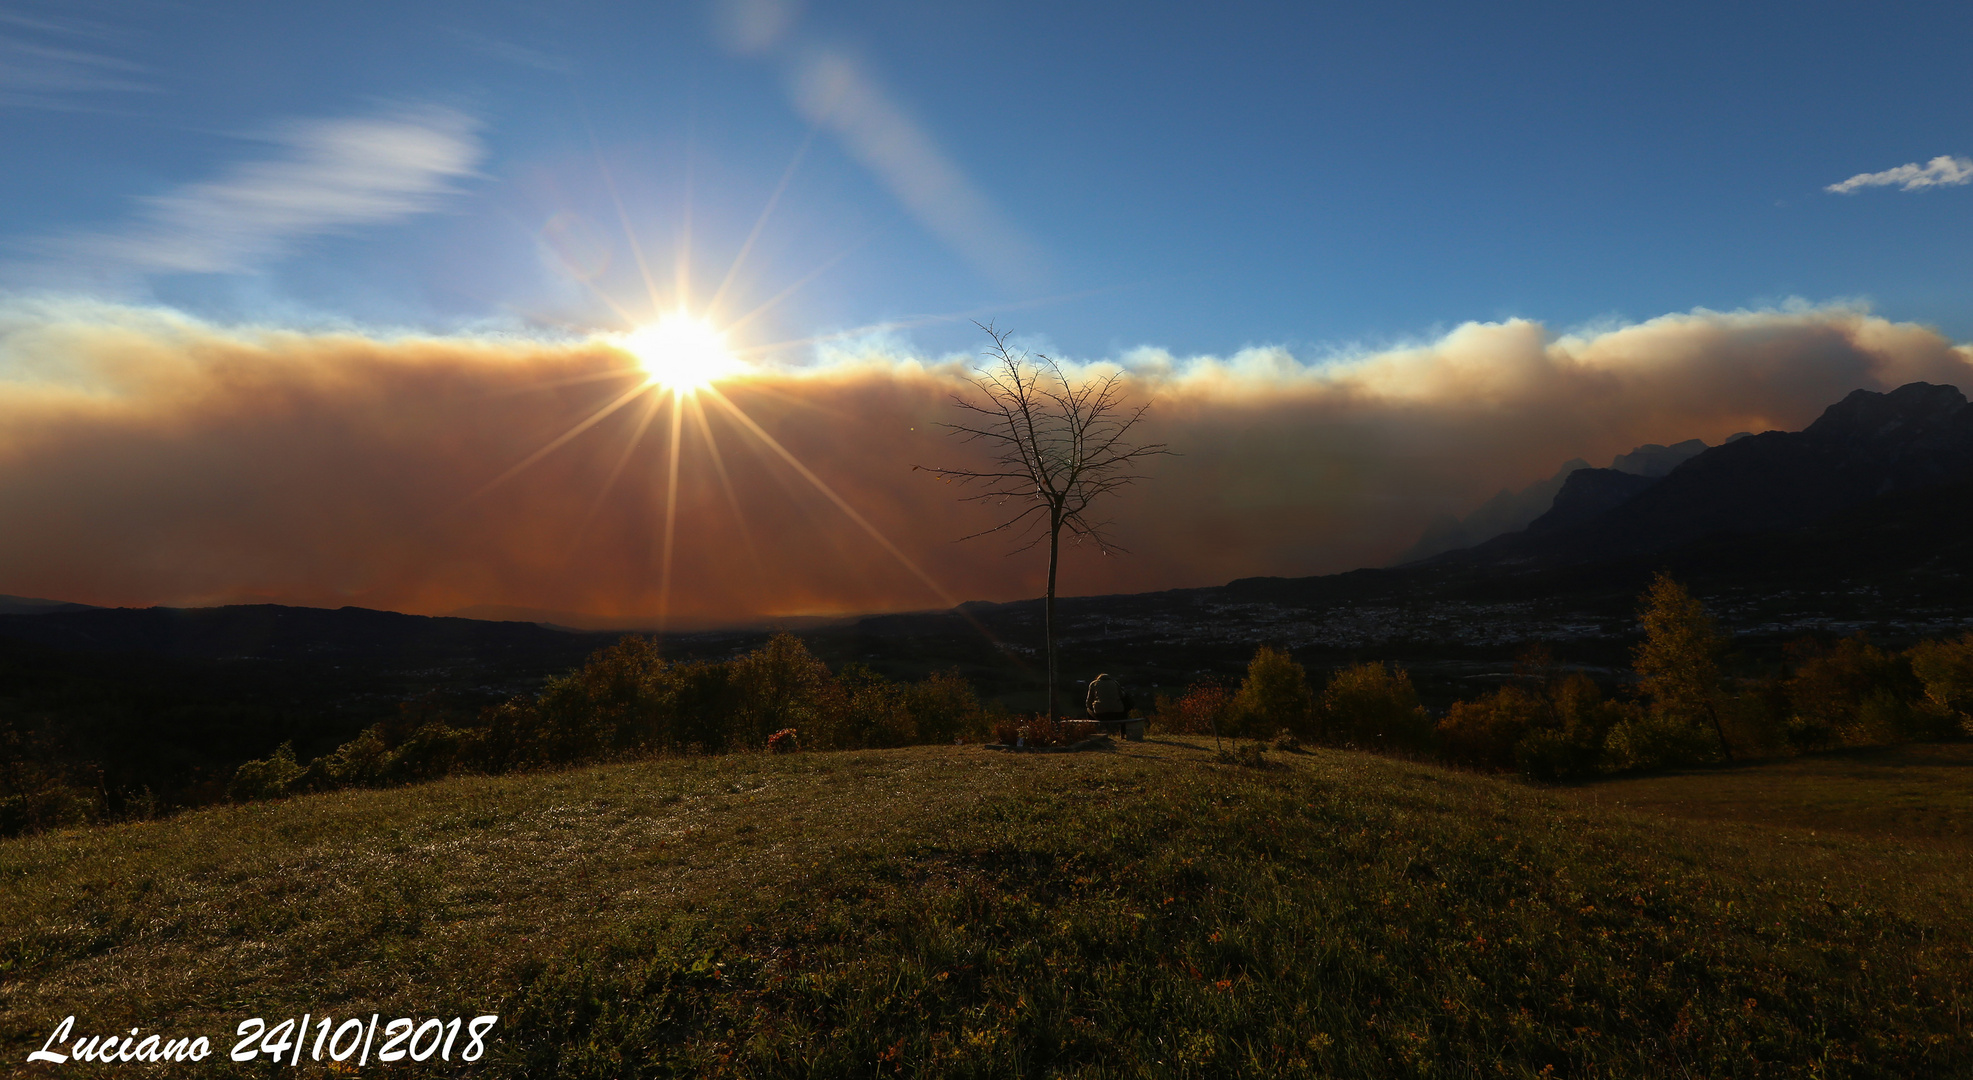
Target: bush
1484, 733
36, 800
943, 708
779, 685
1554, 729
1374, 707
874, 713
1204, 709
1851, 693
1660, 739
267, 778
785, 741
626, 699
617, 697
1273, 697
1945, 669
38, 792
1250, 755
1041, 731
1756, 717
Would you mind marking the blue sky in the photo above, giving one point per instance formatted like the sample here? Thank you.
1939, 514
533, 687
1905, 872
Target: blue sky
1193, 177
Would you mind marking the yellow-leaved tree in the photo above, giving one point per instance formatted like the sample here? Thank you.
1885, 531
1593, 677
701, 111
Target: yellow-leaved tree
1678, 663
1275, 696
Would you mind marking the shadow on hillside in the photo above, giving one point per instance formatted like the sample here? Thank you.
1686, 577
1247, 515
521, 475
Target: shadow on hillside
1956, 754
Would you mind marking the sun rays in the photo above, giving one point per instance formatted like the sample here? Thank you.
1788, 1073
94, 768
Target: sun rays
674, 361
681, 353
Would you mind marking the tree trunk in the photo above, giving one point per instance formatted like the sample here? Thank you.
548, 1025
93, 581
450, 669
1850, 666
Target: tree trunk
1048, 611
1719, 729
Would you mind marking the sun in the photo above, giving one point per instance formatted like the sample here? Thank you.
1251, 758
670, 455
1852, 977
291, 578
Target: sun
681, 352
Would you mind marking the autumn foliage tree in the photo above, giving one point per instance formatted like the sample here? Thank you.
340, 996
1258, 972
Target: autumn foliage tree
1275, 696
1678, 663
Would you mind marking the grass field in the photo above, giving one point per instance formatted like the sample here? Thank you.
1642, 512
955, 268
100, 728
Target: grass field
951, 911
1918, 795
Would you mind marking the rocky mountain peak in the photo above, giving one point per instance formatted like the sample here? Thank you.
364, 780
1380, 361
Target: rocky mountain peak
1912, 411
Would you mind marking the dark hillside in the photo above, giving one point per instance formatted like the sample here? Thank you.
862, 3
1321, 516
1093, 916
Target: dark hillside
276, 632
1867, 445
155, 708
1588, 493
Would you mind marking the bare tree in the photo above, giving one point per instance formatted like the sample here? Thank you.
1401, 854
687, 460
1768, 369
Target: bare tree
1054, 447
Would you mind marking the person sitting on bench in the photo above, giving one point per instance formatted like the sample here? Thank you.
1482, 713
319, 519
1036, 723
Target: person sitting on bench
1107, 703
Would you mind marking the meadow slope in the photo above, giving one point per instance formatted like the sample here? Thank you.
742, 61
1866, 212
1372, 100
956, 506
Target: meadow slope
950, 911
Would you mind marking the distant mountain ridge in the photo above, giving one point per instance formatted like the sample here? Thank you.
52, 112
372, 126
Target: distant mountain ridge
1588, 493
1867, 445
28, 605
277, 632
1656, 461
1512, 511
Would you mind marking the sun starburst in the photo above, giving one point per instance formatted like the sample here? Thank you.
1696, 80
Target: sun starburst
681, 353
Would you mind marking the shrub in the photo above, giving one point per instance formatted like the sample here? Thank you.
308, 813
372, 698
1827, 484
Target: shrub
1945, 669
1554, 729
1852, 693
873, 713
1757, 716
1374, 707
266, 778
1251, 755
360, 762
618, 696
427, 754
1041, 731
779, 683
785, 741
697, 705
1274, 695
1483, 733
626, 699
37, 791
1659, 739
33, 799
1204, 709
943, 707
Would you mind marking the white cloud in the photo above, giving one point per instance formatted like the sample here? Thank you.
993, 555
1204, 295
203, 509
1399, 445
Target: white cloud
55, 72
1941, 171
330, 175
750, 27
833, 90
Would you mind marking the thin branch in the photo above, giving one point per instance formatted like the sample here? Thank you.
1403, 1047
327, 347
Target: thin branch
1055, 445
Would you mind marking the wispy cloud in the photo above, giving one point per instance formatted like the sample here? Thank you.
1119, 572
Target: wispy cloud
1941, 171
750, 27
509, 52
329, 175
833, 90
49, 62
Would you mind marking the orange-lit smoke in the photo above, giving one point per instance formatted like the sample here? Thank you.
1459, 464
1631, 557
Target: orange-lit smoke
146, 458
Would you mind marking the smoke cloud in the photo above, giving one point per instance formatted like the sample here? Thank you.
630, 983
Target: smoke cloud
148, 458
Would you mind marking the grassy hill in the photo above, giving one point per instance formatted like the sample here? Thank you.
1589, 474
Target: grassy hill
952, 911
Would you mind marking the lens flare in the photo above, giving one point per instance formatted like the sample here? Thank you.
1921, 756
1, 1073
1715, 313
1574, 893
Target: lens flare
681, 353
